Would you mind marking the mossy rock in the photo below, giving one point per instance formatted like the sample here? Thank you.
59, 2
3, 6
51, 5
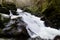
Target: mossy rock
5, 7
10, 6
3, 21
13, 29
34, 10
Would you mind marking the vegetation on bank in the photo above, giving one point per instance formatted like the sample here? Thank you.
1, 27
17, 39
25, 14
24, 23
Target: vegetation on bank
52, 13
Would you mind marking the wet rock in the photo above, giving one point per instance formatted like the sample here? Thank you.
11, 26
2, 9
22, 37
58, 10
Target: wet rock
57, 37
14, 12
14, 28
3, 20
0, 5
37, 38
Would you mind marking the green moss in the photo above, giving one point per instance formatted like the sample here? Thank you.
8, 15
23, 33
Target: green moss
35, 10
45, 5
52, 13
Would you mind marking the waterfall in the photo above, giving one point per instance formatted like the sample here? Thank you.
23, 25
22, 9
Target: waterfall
35, 27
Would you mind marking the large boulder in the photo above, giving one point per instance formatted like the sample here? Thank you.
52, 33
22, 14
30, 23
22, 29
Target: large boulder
57, 37
13, 28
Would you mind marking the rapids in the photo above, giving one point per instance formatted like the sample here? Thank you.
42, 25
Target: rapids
34, 26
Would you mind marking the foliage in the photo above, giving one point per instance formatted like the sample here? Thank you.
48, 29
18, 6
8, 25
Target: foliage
34, 9
52, 13
6, 6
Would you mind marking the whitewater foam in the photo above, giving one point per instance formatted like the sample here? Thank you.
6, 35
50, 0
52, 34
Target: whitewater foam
36, 27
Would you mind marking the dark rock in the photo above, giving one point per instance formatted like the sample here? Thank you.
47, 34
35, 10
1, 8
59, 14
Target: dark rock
0, 5
43, 18
1, 23
56, 21
49, 11
8, 6
37, 38
14, 12
57, 37
15, 28
53, 22
4, 10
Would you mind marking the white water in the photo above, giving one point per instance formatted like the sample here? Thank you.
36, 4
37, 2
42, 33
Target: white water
36, 27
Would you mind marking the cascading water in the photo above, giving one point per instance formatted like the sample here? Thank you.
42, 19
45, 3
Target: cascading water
35, 27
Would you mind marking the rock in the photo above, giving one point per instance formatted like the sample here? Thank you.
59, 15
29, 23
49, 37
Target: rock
52, 22
57, 37
4, 10
5, 7
14, 12
52, 14
14, 28
3, 20
37, 38
6, 39
10, 6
